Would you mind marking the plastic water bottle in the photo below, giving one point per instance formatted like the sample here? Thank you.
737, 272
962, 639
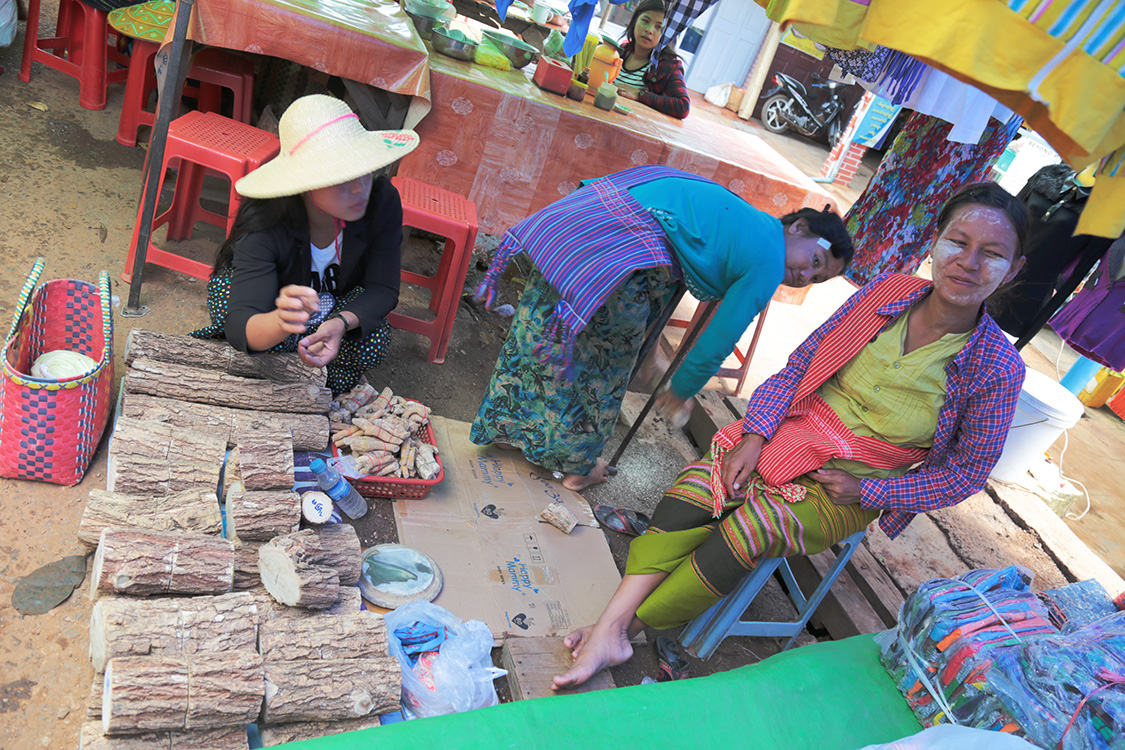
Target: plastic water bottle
339, 489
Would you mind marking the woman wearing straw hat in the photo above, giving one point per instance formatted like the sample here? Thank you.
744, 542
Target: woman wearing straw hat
312, 263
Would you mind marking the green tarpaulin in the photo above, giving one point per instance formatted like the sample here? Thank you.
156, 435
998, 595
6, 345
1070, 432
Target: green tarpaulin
827, 696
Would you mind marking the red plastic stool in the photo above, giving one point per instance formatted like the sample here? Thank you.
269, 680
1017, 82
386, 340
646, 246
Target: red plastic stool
81, 50
454, 217
217, 69
214, 69
202, 140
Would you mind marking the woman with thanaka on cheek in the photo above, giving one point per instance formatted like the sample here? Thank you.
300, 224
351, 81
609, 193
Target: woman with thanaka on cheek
912, 381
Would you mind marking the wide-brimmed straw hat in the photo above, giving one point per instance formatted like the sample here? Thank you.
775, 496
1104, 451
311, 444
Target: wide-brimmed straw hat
323, 144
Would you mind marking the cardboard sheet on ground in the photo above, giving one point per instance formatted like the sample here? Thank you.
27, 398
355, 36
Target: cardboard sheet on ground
501, 565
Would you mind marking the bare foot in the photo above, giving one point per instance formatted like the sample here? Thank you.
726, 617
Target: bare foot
600, 649
575, 640
597, 475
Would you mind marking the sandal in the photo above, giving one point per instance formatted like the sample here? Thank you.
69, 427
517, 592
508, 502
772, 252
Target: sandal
673, 665
622, 520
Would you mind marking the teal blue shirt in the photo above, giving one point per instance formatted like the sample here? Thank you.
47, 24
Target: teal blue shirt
727, 250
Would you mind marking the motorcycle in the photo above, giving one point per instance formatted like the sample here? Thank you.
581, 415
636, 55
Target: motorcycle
788, 107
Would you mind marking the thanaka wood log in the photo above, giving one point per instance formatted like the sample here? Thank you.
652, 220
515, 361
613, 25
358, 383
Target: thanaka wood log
284, 564
261, 515
94, 699
149, 458
265, 459
211, 387
144, 694
221, 356
163, 693
279, 734
179, 626
246, 575
91, 737
143, 562
349, 603
225, 689
309, 431
340, 550
297, 584
193, 510
355, 636
331, 689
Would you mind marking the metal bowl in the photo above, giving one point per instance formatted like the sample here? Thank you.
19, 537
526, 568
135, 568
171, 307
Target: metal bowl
423, 25
519, 53
454, 48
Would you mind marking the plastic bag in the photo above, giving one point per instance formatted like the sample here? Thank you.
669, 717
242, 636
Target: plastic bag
488, 54
61, 364
7, 22
719, 94
552, 47
462, 673
952, 737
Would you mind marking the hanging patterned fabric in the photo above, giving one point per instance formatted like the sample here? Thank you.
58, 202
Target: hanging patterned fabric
1093, 321
1060, 66
680, 15
892, 223
866, 65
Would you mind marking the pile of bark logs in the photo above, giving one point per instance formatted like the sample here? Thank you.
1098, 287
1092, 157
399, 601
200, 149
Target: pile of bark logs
181, 671
187, 643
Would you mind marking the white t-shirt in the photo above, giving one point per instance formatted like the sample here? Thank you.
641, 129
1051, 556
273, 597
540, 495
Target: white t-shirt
325, 267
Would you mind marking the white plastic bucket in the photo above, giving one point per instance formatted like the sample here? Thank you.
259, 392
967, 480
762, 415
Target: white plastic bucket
1045, 410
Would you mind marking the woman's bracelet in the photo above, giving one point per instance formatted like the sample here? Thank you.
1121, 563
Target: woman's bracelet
340, 315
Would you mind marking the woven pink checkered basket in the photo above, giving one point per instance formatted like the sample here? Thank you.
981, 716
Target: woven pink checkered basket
49, 429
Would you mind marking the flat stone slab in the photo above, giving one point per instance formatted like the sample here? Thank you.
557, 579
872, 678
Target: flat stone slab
986, 537
651, 462
1070, 553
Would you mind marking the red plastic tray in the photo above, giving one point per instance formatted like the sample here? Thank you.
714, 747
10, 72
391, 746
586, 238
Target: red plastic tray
395, 487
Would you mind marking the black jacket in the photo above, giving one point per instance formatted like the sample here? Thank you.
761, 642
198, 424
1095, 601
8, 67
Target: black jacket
370, 256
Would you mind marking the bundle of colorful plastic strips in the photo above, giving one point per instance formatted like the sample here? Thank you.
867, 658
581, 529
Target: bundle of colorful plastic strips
949, 632
419, 638
1067, 691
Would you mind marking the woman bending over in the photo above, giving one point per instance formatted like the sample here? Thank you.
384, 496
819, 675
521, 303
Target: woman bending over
606, 260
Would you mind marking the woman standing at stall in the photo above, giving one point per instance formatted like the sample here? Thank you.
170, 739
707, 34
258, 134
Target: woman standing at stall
312, 263
659, 85
899, 404
606, 259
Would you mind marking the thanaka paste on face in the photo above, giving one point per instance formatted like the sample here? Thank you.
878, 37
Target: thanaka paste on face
985, 227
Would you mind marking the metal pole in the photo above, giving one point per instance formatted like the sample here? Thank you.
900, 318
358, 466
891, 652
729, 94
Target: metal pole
658, 327
150, 192
685, 347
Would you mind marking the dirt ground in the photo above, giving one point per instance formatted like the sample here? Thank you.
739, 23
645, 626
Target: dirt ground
69, 194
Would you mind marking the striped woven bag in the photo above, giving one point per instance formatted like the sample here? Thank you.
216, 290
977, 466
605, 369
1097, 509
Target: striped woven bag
49, 429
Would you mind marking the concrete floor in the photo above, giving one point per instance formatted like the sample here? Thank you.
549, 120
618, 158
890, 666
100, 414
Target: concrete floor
70, 194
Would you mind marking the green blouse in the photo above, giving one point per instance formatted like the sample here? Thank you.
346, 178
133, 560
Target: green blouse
884, 393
